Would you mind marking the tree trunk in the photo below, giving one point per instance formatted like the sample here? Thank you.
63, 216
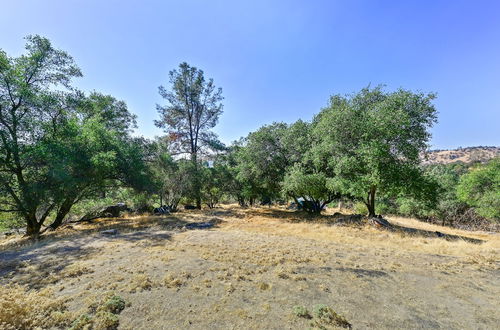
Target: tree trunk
370, 204
196, 178
32, 226
62, 212
316, 208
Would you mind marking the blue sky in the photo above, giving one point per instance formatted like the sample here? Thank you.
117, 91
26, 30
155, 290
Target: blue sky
280, 60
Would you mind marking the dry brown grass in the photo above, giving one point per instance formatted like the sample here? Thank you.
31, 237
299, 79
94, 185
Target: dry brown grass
370, 237
250, 270
140, 282
21, 308
171, 281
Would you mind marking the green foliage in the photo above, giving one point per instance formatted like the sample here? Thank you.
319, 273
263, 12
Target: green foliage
63, 152
239, 183
58, 146
301, 311
314, 188
371, 141
193, 109
438, 198
31, 115
103, 314
170, 179
265, 156
327, 316
105, 320
263, 160
114, 304
360, 208
214, 183
480, 188
9, 221
82, 322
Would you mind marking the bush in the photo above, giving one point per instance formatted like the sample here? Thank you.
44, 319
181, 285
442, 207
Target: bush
327, 316
104, 320
114, 304
10, 221
480, 188
360, 208
82, 322
334, 204
103, 314
301, 311
384, 207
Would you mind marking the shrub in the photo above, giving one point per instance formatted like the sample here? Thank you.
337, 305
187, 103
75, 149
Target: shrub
140, 282
82, 322
9, 221
114, 304
480, 188
171, 281
384, 207
327, 316
103, 314
301, 311
360, 208
104, 320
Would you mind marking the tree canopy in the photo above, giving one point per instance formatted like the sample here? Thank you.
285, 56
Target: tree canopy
192, 110
60, 146
57, 145
372, 141
480, 188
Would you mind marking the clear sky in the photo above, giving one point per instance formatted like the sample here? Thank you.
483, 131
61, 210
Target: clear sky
280, 60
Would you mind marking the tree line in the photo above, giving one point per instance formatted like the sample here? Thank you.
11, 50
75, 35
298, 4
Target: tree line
61, 148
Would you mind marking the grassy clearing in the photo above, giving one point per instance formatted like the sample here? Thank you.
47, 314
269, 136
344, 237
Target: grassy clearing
286, 223
251, 270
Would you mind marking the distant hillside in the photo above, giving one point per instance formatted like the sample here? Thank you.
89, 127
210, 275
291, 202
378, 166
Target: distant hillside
465, 155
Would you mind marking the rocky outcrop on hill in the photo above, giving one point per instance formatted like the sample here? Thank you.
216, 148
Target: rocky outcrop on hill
465, 155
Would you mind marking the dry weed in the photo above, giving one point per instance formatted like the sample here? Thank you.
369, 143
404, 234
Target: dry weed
139, 283
21, 308
170, 281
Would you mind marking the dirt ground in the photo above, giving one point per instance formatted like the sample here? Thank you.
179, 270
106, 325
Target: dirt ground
254, 267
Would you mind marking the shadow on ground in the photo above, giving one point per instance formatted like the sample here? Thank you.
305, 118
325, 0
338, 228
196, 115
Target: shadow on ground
39, 264
352, 220
429, 233
45, 261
